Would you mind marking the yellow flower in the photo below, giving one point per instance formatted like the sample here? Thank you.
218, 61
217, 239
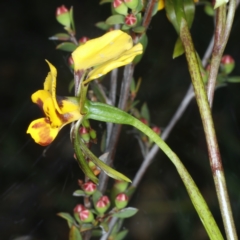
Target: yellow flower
59, 111
114, 49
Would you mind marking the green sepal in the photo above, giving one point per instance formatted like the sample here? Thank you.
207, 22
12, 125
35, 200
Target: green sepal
74, 234
115, 19
178, 48
96, 196
64, 19
68, 217
72, 19
79, 193
66, 46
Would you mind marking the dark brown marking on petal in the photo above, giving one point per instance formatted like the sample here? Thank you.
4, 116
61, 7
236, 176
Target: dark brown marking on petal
44, 134
40, 103
60, 100
64, 117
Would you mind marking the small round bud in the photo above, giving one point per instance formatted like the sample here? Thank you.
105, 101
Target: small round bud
70, 62
227, 64
131, 20
83, 40
120, 186
102, 204
157, 130
78, 208
120, 7
121, 200
84, 134
143, 120
131, 3
93, 134
86, 216
89, 188
63, 16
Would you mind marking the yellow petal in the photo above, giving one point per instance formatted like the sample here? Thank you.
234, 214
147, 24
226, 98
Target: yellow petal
40, 97
161, 5
58, 120
41, 131
102, 49
124, 59
68, 105
51, 82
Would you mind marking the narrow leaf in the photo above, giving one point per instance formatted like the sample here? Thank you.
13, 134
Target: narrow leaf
79, 193
178, 48
102, 25
67, 217
66, 46
121, 235
115, 19
74, 234
234, 79
126, 212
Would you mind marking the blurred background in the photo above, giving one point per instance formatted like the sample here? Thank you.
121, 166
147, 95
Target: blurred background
36, 182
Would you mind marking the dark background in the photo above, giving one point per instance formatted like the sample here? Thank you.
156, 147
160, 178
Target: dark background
36, 182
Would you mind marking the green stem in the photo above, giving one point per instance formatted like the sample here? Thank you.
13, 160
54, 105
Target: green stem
107, 113
213, 150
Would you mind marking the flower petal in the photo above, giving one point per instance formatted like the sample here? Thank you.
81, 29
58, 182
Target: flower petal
58, 120
124, 59
50, 83
40, 97
68, 104
102, 49
41, 131
161, 5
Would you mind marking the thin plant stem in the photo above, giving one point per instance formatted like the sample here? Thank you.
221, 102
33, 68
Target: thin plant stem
222, 32
213, 150
124, 94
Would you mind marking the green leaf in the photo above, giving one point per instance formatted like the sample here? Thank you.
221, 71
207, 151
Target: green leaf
178, 48
66, 46
208, 9
86, 227
178, 9
105, 1
60, 37
145, 112
74, 234
104, 226
115, 19
125, 27
67, 217
72, 19
126, 212
108, 170
79, 193
102, 25
139, 29
121, 235
234, 79
129, 192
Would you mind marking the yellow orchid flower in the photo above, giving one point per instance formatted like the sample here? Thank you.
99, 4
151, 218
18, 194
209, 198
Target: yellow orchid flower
114, 49
59, 111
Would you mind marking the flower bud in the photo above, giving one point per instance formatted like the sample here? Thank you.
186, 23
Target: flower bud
76, 211
130, 20
84, 134
157, 130
93, 134
120, 7
83, 40
143, 120
86, 216
89, 188
227, 64
94, 168
121, 200
102, 204
120, 186
63, 16
131, 3
70, 62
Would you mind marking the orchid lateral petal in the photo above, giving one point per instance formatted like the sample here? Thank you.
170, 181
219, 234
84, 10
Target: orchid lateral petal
102, 49
41, 131
50, 84
40, 96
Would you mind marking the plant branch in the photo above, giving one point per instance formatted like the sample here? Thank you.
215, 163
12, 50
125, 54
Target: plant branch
213, 150
222, 32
